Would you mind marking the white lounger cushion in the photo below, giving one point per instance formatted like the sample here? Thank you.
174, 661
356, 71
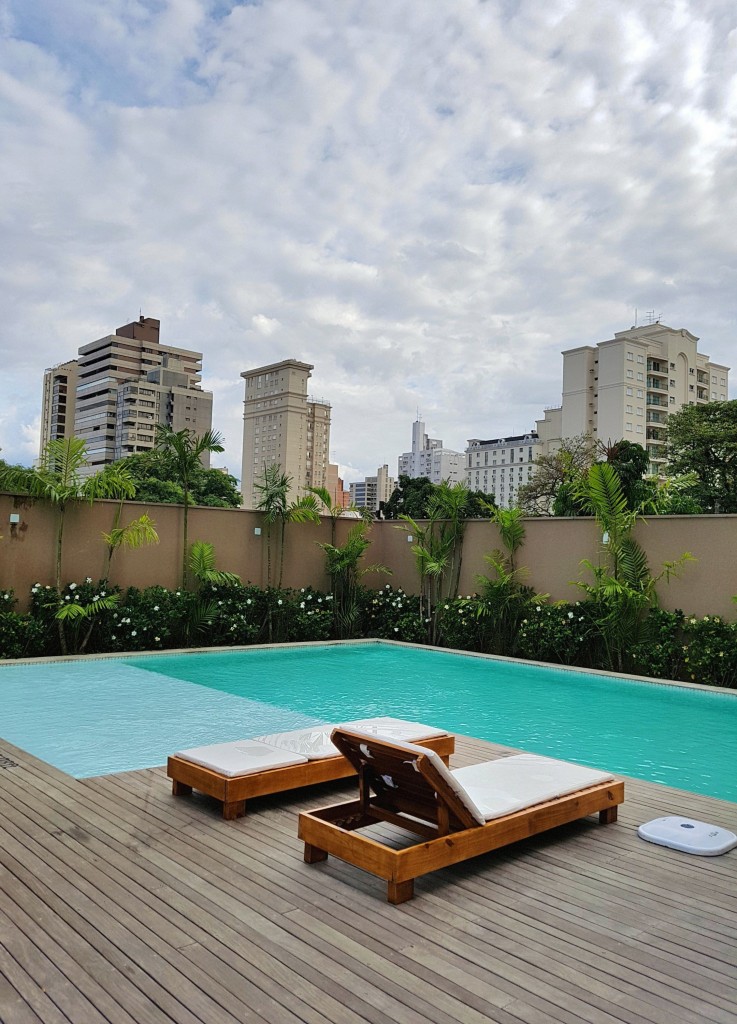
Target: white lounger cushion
394, 728
495, 788
315, 743
513, 783
242, 757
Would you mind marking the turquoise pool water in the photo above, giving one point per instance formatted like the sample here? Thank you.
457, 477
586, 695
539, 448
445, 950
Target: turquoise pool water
94, 717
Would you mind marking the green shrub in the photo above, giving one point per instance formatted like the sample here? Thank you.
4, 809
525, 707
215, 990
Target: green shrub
390, 614
560, 633
710, 651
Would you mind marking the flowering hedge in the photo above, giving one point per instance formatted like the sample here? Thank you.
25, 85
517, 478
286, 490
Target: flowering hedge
673, 645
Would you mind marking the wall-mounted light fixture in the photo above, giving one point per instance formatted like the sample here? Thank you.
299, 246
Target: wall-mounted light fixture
410, 538
14, 518
257, 531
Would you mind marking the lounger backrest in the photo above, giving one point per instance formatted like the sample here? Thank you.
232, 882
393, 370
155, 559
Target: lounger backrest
406, 776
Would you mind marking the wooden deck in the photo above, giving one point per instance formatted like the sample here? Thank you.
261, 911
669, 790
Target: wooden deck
121, 904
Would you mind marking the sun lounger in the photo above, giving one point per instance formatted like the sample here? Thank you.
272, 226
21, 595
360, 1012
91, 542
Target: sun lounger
235, 772
457, 814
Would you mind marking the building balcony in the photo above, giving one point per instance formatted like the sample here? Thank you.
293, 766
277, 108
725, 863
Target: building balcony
657, 385
656, 400
654, 366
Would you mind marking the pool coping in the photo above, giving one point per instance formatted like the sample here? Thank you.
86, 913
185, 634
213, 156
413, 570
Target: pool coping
701, 687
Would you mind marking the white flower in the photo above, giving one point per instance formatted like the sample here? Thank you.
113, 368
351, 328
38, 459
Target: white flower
156, 607
6, 596
447, 607
88, 580
280, 601
96, 597
179, 593
113, 637
133, 632
396, 629
570, 615
301, 604
67, 597
248, 601
72, 586
538, 608
158, 638
220, 602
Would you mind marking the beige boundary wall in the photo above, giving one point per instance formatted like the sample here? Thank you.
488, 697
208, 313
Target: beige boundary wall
552, 552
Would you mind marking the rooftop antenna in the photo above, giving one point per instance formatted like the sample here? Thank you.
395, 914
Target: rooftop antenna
652, 318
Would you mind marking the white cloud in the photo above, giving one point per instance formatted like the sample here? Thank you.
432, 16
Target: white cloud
428, 201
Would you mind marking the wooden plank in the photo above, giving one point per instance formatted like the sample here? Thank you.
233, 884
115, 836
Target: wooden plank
581, 924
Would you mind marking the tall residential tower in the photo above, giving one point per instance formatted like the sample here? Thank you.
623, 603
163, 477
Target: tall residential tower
123, 385
282, 426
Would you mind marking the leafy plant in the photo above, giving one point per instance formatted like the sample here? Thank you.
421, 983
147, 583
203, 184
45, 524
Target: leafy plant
59, 480
184, 450
624, 589
341, 563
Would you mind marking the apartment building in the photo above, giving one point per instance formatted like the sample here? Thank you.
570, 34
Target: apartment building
58, 402
429, 458
124, 385
282, 425
502, 465
627, 386
374, 491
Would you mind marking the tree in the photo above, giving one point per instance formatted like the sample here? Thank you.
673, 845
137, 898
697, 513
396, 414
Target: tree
58, 480
184, 450
554, 472
702, 439
154, 474
412, 497
409, 498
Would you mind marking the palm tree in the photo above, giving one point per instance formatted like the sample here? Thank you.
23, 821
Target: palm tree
58, 480
336, 511
342, 567
274, 504
185, 449
277, 511
624, 587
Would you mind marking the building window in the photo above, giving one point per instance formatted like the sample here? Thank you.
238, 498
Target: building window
690, 387
639, 410
672, 400
628, 408
639, 428
630, 374
630, 357
640, 376
628, 426
672, 383
629, 392
691, 371
640, 359
640, 393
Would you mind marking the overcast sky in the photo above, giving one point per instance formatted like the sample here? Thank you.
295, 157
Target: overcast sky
427, 199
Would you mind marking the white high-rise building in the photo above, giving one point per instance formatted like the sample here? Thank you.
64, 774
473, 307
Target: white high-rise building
429, 458
626, 387
502, 465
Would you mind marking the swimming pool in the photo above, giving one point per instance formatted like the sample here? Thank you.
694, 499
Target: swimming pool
104, 715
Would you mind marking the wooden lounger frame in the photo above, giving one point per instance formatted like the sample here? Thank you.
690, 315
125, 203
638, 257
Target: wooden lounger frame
421, 801
233, 791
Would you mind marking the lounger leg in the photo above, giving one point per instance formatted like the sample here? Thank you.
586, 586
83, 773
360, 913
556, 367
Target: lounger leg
313, 854
608, 815
179, 789
400, 892
234, 809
